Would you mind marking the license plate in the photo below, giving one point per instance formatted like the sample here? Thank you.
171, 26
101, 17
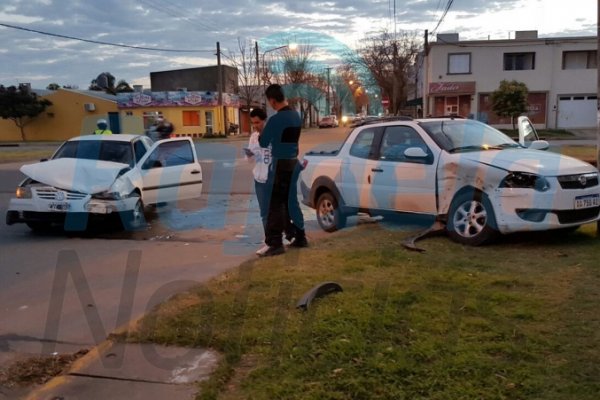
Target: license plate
591, 200
61, 207
96, 208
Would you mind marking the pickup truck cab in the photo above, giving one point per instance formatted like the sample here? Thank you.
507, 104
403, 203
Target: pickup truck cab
467, 174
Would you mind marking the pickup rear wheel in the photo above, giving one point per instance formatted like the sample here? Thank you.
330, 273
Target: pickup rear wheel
329, 215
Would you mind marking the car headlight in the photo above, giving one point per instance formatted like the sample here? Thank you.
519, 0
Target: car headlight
23, 192
525, 180
345, 119
106, 195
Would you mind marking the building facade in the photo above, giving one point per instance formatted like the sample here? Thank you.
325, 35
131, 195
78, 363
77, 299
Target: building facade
72, 113
560, 73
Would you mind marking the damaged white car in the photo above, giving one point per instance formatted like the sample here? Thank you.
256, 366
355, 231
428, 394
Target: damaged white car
466, 174
102, 176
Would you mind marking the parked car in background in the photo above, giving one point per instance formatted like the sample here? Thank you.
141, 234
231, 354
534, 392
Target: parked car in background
102, 176
470, 176
328, 121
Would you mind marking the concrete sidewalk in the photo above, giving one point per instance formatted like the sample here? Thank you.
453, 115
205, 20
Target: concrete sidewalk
120, 371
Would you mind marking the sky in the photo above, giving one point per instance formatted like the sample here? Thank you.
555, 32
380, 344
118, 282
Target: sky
29, 57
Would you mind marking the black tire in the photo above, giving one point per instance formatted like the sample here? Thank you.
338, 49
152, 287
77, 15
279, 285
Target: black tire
471, 219
39, 226
134, 220
329, 215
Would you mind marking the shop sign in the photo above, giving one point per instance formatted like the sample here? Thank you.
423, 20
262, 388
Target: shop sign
452, 88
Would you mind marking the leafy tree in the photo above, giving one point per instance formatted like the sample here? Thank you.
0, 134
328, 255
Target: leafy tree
510, 100
21, 105
53, 86
105, 82
123, 87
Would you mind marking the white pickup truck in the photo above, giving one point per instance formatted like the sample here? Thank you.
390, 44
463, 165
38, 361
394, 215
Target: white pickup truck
464, 173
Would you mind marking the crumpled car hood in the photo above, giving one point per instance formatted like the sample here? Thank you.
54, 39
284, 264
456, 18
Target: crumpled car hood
78, 175
534, 161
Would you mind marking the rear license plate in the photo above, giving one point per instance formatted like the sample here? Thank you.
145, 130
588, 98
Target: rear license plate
60, 207
591, 200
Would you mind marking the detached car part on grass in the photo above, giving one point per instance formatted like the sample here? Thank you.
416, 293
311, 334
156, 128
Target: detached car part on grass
103, 176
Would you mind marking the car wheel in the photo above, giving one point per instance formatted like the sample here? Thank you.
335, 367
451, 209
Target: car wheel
329, 215
471, 219
134, 220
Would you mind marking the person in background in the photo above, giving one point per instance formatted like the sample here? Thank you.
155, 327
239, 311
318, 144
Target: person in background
102, 128
163, 128
282, 133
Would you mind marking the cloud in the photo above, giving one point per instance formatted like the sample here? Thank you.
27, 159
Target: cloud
197, 24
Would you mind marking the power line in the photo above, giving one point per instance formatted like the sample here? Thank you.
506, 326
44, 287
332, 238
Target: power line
448, 5
101, 42
173, 10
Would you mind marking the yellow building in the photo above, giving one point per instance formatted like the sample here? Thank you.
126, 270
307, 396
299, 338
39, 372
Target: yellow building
75, 112
193, 114
72, 113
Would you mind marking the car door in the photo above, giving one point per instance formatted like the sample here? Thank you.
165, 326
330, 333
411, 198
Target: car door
402, 182
356, 171
170, 171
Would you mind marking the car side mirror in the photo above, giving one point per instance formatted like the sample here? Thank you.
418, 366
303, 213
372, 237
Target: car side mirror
539, 145
415, 152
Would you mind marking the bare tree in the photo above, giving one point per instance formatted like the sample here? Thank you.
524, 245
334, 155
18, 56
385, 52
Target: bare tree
389, 58
245, 61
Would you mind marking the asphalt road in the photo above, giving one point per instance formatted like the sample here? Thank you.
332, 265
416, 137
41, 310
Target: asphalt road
61, 291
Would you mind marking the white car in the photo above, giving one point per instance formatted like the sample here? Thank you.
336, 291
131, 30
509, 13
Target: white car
99, 176
462, 172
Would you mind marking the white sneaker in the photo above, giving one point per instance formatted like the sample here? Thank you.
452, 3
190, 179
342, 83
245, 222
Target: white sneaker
262, 250
286, 242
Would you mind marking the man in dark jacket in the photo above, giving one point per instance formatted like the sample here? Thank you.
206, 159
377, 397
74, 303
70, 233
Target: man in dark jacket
282, 133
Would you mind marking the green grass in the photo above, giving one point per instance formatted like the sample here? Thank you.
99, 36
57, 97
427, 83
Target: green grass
514, 320
585, 153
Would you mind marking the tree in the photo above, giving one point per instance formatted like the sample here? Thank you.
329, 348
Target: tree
104, 82
245, 62
510, 99
53, 86
123, 87
21, 105
389, 59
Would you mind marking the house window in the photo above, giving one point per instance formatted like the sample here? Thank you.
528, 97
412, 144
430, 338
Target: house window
580, 59
519, 61
191, 118
459, 63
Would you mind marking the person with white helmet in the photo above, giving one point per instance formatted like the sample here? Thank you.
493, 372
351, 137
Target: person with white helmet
102, 128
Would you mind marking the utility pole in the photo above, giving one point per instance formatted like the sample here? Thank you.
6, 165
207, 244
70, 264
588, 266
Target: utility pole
327, 98
598, 99
257, 64
395, 77
425, 94
220, 86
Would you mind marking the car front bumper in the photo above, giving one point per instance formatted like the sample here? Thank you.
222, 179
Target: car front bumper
519, 210
52, 211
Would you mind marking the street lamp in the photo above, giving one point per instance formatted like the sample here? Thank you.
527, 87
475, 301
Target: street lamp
261, 82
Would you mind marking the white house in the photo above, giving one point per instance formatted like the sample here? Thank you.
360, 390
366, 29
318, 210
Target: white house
560, 73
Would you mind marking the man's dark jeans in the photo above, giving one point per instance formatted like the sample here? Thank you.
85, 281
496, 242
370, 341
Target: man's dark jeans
278, 206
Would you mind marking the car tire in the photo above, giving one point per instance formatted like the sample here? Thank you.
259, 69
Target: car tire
329, 215
134, 220
471, 219
38, 226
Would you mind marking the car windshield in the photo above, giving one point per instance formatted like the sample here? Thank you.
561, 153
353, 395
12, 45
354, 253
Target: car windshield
467, 135
97, 150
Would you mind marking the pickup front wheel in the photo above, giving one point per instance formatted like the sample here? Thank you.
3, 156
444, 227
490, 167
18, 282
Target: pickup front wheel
329, 215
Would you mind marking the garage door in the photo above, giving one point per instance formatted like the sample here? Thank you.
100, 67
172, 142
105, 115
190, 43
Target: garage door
577, 111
